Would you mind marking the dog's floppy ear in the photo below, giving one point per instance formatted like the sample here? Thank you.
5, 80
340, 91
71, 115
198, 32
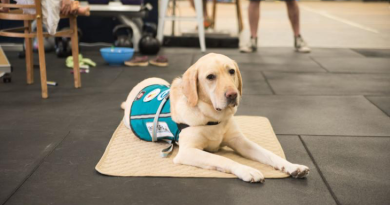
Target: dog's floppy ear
239, 78
190, 85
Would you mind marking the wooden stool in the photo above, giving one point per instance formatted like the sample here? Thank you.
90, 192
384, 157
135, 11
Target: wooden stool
26, 33
238, 10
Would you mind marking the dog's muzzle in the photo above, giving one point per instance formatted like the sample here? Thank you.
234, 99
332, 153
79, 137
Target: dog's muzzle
231, 97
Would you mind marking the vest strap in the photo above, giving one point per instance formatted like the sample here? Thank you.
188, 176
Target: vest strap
155, 121
182, 126
165, 152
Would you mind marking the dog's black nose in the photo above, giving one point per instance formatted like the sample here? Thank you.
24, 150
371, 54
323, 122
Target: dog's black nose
231, 95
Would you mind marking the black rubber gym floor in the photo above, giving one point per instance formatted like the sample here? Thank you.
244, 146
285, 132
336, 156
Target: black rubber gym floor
330, 110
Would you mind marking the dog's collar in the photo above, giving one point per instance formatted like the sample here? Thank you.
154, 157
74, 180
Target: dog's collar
182, 125
212, 123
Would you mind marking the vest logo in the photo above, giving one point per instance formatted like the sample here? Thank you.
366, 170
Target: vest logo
163, 95
161, 131
140, 94
152, 95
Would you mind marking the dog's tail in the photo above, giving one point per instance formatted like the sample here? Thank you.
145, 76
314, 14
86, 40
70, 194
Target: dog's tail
123, 105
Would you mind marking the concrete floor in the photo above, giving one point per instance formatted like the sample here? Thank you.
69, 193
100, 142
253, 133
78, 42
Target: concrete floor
329, 115
330, 110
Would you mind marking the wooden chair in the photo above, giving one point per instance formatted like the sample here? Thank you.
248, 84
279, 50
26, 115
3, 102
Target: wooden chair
26, 33
238, 10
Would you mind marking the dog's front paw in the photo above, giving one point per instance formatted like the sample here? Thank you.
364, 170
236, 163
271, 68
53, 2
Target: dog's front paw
248, 174
297, 170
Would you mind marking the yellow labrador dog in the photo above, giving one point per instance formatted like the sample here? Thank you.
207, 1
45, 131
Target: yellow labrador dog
210, 91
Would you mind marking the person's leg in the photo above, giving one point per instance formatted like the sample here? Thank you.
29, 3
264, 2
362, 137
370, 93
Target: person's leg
254, 16
205, 13
293, 15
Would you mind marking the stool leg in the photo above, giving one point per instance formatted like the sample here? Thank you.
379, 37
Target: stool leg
42, 60
75, 52
199, 17
29, 54
214, 12
161, 19
239, 16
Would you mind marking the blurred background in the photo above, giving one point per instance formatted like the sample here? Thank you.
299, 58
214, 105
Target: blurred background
330, 24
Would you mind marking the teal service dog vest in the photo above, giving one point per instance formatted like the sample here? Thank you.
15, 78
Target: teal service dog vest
150, 115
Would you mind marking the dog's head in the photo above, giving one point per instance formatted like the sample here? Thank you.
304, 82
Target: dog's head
214, 79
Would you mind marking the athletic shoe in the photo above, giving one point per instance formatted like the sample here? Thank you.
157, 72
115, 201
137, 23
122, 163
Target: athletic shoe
251, 46
161, 61
300, 45
138, 61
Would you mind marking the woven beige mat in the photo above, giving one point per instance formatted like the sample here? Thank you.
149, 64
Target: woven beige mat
127, 155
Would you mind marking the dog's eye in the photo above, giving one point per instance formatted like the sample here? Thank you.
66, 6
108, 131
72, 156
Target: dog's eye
232, 71
211, 77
